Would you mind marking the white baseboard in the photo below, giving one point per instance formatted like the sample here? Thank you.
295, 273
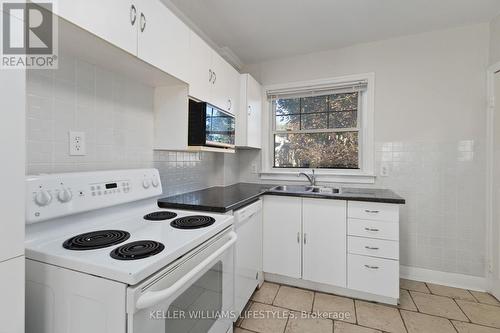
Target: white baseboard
448, 279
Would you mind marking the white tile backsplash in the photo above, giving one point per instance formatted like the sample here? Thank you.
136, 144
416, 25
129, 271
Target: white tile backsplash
116, 114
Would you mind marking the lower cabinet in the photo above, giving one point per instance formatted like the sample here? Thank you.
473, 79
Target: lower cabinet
305, 238
352, 245
282, 245
324, 241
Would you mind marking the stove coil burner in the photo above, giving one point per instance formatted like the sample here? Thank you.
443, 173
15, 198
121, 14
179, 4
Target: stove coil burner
160, 216
96, 240
137, 250
192, 222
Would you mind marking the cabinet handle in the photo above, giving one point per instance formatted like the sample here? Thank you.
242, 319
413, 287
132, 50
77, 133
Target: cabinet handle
305, 238
133, 14
371, 211
298, 237
215, 78
371, 229
143, 22
210, 75
257, 276
230, 104
371, 267
249, 110
371, 248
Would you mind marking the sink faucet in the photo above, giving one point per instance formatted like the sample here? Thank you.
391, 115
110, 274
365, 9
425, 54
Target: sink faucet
310, 178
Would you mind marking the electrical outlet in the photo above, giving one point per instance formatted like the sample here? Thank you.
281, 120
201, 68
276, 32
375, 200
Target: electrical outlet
254, 168
384, 170
77, 144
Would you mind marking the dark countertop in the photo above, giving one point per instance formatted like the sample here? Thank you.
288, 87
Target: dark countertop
222, 199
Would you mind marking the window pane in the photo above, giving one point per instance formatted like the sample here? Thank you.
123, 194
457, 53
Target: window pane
316, 150
314, 104
287, 106
341, 102
343, 119
314, 121
288, 123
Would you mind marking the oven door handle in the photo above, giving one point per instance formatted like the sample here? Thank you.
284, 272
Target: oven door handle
150, 298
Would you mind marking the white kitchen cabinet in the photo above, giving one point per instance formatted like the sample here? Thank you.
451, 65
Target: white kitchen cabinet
212, 79
163, 39
282, 235
12, 147
324, 241
115, 21
249, 116
12, 300
201, 73
373, 248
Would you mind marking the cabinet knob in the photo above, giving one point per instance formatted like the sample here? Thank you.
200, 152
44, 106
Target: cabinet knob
133, 14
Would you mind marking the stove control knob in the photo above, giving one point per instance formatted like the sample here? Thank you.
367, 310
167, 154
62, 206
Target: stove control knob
43, 198
64, 195
146, 183
155, 182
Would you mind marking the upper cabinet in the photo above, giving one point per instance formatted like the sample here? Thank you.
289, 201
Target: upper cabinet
144, 28
249, 117
115, 21
211, 78
163, 39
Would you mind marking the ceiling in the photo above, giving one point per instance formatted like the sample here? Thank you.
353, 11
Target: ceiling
261, 30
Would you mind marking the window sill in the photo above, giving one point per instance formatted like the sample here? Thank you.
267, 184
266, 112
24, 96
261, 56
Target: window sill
356, 177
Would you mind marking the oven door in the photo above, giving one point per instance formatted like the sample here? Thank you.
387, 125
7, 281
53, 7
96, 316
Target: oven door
220, 128
194, 294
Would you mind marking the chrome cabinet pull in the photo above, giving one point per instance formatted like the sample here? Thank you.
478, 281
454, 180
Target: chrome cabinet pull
298, 237
371, 267
305, 238
210, 75
133, 14
371, 248
230, 104
257, 276
143, 22
249, 110
371, 211
215, 78
371, 229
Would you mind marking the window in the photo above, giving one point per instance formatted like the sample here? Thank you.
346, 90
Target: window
317, 129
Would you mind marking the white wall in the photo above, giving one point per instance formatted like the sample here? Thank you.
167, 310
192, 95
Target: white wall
429, 129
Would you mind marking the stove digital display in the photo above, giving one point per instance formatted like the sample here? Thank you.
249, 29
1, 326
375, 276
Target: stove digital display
111, 185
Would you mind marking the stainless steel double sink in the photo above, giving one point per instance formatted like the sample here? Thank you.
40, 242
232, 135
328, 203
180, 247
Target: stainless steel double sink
305, 189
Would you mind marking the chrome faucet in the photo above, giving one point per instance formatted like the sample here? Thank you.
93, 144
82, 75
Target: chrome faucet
310, 178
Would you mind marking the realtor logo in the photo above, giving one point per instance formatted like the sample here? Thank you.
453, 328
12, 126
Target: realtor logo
28, 35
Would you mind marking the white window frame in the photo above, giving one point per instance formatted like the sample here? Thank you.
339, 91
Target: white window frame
365, 173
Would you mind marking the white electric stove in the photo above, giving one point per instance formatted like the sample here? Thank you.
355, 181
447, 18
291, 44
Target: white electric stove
102, 257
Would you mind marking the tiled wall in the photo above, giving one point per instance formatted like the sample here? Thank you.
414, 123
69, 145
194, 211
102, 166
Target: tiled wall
442, 224
116, 115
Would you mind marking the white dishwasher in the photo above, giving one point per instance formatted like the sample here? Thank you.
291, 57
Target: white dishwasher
248, 253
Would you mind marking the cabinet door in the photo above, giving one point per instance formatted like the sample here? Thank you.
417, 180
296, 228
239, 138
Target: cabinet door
163, 39
115, 21
324, 254
282, 235
225, 85
200, 85
254, 113
12, 291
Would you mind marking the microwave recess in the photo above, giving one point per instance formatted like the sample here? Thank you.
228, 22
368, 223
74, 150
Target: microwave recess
210, 126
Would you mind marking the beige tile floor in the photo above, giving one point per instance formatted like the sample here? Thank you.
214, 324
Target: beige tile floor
424, 307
